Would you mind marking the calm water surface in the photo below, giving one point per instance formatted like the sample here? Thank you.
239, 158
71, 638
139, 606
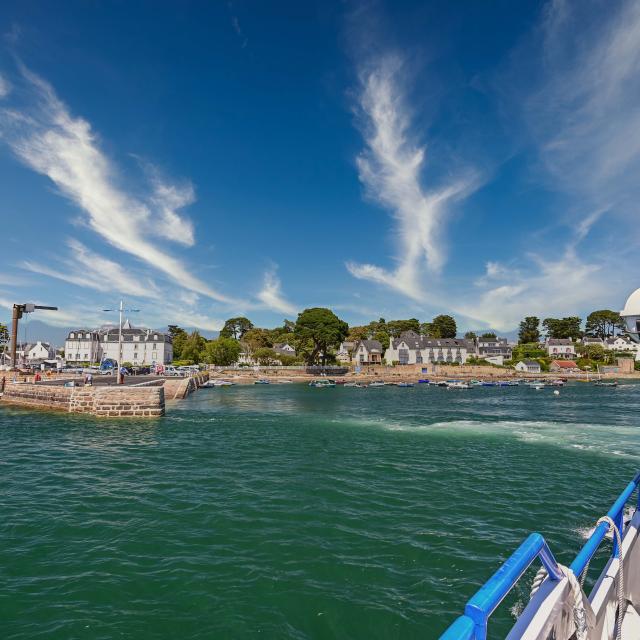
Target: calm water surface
291, 512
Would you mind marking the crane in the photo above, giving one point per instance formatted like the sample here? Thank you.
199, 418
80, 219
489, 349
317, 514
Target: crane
18, 310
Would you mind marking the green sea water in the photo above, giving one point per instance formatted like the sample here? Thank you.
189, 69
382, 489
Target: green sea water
291, 512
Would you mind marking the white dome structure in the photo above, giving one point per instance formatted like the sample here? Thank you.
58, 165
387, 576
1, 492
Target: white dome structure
631, 315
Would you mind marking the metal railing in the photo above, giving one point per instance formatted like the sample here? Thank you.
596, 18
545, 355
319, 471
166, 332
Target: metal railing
472, 625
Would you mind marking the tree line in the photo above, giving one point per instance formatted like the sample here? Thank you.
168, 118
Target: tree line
602, 323
315, 335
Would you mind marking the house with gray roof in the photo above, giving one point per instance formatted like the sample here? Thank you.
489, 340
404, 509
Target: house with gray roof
411, 348
367, 352
140, 346
528, 366
284, 349
560, 348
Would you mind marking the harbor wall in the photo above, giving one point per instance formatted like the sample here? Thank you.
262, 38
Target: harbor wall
38, 396
180, 388
98, 401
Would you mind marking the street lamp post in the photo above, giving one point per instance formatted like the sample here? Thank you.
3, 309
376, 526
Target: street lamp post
120, 311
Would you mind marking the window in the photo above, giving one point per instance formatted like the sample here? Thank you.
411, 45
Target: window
87, 336
105, 337
136, 338
71, 335
86, 356
155, 336
403, 356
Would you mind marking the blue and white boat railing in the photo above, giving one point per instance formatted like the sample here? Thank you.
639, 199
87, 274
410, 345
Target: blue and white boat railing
472, 625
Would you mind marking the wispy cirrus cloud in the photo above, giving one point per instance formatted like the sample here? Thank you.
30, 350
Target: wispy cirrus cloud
391, 169
271, 295
5, 87
47, 138
579, 104
86, 268
580, 101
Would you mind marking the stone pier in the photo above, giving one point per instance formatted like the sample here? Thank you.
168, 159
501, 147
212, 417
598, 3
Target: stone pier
113, 402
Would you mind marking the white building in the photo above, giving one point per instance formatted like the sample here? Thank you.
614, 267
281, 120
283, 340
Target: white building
494, 350
284, 349
411, 348
367, 352
620, 343
39, 351
82, 345
560, 348
528, 366
139, 346
344, 351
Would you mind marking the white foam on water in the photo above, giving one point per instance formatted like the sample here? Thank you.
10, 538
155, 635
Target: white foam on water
613, 440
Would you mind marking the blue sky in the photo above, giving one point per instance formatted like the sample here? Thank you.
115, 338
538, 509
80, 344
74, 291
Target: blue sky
205, 160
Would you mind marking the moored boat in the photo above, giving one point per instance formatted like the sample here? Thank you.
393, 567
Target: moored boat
322, 383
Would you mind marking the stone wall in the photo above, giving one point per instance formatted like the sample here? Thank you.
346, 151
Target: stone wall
180, 388
97, 401
128, 401
38, 395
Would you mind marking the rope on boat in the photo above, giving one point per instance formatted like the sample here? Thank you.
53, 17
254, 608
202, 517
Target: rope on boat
579, 615
621, 596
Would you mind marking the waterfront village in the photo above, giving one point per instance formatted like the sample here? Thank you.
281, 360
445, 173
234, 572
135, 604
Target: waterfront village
319, 338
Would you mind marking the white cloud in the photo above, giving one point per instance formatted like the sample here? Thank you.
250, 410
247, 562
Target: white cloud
48, 139
168, 199
271, 294
582, 109
555, 287
88, 269
390, 169
5, 87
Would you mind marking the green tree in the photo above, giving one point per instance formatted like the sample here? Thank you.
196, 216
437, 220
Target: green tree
222, 352
470, 335
236, 328
529, 330
193, 348
4, 337
563, 327
358, 333
528, 351
603, 323
396, 327
257, 338
379, 331
430, 330
178, 338
445, 326
264, 356
318, 330
595, 352
489, 335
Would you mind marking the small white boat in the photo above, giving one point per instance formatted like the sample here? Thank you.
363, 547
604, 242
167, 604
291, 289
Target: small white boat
377, 383
210, 384
458, 384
